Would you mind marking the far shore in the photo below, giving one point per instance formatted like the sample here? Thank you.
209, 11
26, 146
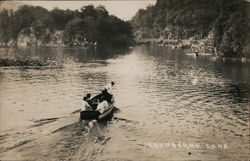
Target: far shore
195, 46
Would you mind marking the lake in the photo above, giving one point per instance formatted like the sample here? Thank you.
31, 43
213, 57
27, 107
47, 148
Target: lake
170, 104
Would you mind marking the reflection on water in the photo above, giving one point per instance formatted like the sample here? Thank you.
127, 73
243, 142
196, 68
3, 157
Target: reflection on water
169, 96
47, 56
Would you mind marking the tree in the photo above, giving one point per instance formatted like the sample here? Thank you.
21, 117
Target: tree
61, 17
90, 23
5, 30
196, 18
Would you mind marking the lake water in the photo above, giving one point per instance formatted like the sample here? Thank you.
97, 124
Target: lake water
171, 104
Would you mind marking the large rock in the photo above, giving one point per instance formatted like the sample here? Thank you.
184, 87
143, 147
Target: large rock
27, 37
56, 39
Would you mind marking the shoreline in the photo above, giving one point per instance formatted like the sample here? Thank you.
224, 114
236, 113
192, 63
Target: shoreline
172, 43
195, 46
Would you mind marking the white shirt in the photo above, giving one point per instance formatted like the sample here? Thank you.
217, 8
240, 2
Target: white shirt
85, 106
109, 88
102, 106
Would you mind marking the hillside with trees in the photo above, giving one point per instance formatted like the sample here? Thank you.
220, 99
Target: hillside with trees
36, 26
227, 22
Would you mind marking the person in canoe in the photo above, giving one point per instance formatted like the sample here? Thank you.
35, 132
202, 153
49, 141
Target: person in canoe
85, 104
107, 92
106, 97
102, 105
109, 87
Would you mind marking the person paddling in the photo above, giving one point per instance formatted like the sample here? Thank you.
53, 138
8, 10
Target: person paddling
109, 87
107, 92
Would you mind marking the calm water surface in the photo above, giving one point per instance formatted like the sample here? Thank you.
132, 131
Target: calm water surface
165, 98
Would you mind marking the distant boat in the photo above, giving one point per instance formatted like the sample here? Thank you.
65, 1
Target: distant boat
96, 115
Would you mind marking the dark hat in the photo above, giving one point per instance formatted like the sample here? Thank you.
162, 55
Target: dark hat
89, 95
104, 91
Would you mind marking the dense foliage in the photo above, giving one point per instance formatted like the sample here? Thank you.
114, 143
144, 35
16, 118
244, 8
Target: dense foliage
90, 24
181, 19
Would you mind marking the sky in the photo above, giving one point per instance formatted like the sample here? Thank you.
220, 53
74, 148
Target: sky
123, 9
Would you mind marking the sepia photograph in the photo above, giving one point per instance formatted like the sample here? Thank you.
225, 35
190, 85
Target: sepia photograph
125, 80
